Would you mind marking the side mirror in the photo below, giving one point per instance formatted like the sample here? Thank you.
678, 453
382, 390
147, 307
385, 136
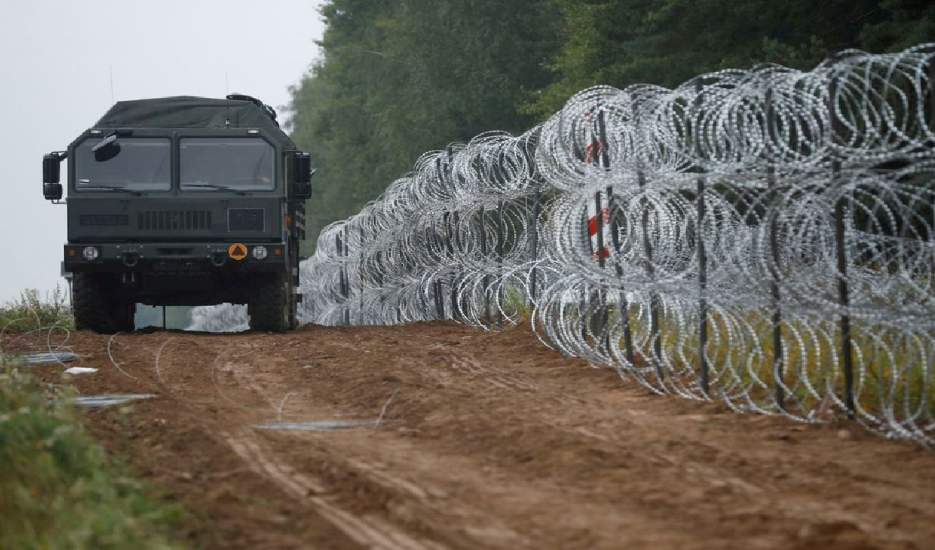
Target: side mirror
51, 175
302, 169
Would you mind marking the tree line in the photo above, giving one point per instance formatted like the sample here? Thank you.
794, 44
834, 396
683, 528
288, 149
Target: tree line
397, 78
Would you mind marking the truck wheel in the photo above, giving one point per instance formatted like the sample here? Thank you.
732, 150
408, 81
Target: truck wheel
293, 311
271, 308
94, 310
124, 316
293, 305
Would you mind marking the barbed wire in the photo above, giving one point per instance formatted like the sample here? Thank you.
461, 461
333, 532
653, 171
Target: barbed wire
762, 237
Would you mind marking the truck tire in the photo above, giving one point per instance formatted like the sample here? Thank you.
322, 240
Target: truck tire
94, 310
124, 313
273, 305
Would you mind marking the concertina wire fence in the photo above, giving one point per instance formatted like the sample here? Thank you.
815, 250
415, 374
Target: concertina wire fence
761, 237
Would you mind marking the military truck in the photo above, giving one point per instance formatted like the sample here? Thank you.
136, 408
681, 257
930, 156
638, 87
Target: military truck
182, 201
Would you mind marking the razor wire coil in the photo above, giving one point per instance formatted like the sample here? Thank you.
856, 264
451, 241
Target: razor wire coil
762, 237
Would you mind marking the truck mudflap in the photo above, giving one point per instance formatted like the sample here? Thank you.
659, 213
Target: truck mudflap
175, 257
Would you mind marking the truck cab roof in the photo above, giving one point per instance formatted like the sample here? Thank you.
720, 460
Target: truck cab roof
180, 112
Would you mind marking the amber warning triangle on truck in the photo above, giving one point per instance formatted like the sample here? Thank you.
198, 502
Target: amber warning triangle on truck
237, 251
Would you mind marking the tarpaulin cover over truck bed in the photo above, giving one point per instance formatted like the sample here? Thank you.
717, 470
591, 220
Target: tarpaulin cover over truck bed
191, 112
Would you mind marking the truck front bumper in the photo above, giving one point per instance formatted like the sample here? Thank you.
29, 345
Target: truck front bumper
174, 257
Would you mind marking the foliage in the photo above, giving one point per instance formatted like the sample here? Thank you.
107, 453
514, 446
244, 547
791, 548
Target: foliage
403, 77
902, 24
399, 78
32, 312
666, 42
57, 488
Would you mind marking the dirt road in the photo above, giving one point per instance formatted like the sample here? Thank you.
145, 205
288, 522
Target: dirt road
470, 440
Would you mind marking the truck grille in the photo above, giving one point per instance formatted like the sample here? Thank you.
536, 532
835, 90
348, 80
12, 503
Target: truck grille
174, 220
104, 219
245, 219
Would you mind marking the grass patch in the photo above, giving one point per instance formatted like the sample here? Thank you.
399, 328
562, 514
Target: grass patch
57, 487
893, 376
516, 305
892, 367
32, 312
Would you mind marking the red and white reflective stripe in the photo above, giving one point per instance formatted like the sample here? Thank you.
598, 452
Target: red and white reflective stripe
592, 153
605, 229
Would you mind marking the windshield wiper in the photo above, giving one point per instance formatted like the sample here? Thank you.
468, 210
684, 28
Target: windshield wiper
215, 186
111, 188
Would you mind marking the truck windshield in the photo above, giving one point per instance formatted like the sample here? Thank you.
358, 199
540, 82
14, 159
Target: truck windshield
213, 164
142, 164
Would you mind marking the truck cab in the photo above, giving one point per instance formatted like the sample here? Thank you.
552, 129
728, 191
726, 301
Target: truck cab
182, 201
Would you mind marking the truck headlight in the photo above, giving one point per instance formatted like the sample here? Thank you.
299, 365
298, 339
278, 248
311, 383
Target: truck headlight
90, 253
260, 252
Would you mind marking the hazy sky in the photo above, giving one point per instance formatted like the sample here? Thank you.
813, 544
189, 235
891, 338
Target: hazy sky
56, 61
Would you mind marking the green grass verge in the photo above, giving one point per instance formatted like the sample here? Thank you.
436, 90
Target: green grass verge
57, 487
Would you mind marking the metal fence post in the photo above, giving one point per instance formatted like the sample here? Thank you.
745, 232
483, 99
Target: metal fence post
651, 271
455, 278
500, 243
448, 254
533, 175
343, 283
430, 239
840, 236
702, 257
841, 208
601, 262
360, 278
483, 248
623, 305
378, 276
931, 93
602, 159
452, 220
534, 249
347, 279
774, 259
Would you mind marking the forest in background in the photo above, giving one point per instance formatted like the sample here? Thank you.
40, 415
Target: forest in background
397, 78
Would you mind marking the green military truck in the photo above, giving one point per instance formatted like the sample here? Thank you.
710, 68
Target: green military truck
182, 201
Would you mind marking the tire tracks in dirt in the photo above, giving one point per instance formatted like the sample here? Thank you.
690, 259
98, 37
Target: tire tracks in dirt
489, 440
350, 462
368, 531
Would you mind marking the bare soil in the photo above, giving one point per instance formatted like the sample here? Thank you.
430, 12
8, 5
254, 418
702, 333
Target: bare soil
476, 440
